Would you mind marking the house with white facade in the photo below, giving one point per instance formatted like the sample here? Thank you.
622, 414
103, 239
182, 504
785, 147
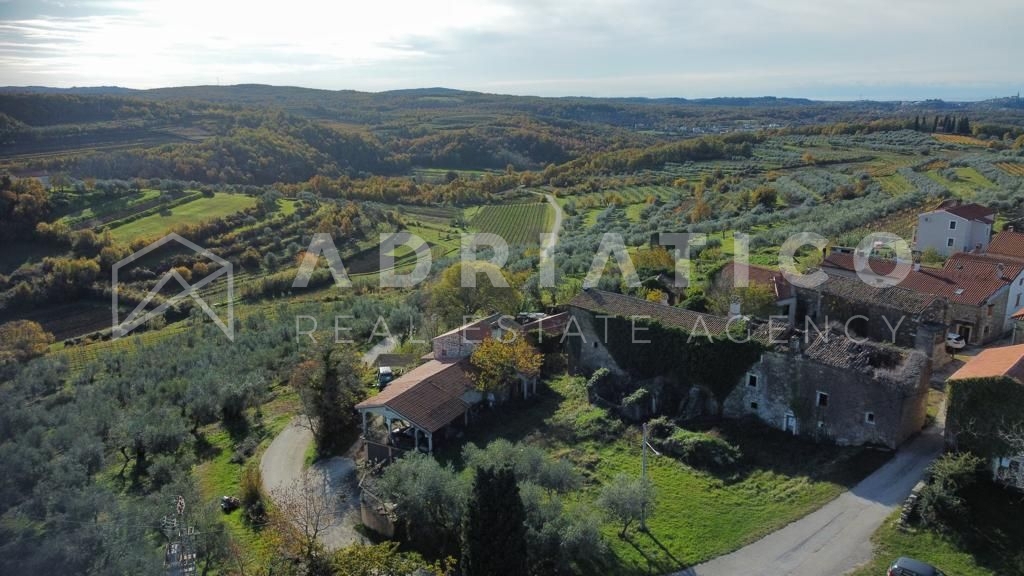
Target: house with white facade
954, 227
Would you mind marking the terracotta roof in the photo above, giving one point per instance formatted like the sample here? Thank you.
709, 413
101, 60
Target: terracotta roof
551, 325
1007, 243
628, 307
429, 396
476, 330
965, 278
760, 275
895, 297
974, 212
994, 362
1018, 315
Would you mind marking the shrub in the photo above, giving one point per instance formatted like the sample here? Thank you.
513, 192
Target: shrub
702, 450
941, 501
253, 509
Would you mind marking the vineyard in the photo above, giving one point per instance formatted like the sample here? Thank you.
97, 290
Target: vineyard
1011, 168
518, 224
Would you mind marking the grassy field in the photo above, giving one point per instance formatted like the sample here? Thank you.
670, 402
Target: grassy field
696, 515
518, 224
894, 184
193, 212
990, 542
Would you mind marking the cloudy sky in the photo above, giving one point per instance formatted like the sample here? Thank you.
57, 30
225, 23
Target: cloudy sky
829, 49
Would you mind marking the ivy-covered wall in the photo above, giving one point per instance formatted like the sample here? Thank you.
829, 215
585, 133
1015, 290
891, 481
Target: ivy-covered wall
685, 360
979, 409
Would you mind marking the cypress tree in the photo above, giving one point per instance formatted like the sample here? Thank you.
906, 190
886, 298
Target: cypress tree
917, 123
494, 527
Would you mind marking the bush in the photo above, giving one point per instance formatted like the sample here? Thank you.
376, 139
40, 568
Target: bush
254, 511
702, 450
941, 501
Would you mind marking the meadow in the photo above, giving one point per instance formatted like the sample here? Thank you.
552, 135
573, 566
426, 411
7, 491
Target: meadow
202, 209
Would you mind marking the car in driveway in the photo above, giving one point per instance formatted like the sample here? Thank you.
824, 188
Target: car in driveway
909, 567
955, 341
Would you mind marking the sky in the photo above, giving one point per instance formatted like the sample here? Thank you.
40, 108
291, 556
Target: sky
822, 49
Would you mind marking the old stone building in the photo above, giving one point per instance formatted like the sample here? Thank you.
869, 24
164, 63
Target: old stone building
822, 385
977, 287
830, 386
892, 315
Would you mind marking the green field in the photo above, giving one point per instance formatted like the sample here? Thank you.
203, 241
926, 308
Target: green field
191, 213
697, 515
894, 184
518, 224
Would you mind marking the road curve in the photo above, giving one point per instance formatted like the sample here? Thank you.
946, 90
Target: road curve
836, 538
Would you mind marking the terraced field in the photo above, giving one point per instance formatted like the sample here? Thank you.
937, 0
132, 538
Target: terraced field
960, 139
1011, 168
518, 224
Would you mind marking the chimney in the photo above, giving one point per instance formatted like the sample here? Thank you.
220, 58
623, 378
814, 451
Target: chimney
917, 266
734, 308
1008, 227
1000, 269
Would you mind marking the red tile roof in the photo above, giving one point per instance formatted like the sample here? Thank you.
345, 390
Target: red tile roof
429, 396
1018, 315
975, 212
965, 278
550, 325
994, 362
1007, 243
760, 275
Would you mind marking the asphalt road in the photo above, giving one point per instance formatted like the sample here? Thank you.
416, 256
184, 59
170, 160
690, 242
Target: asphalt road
836, 538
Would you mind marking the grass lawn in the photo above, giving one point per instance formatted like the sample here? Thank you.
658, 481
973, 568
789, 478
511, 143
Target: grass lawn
697, 515
217, 475
221, 204
991, 541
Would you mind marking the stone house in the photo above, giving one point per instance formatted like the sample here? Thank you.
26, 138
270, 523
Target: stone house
827, 386
785, 295
954, 227
830, 386
977, 288
892, 315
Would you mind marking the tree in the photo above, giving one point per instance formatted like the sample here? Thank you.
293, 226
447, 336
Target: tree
494, 527
385, 560
503, 364
454, 302
429, 500
627, 499
304, 509
329, 386
22, 340
942, 502
755, 300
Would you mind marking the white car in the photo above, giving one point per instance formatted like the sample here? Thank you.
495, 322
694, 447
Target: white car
955, 341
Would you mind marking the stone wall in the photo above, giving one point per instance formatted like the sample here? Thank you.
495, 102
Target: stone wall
861, 409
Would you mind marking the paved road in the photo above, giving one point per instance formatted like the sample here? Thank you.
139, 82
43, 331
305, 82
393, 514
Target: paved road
836, 538
283, 463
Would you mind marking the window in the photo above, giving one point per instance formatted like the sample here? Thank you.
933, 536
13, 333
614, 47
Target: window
822, 399
752, 380
595, 343
753, 405
985, 331
991, 307
869, 417
1018, 301
950, 242
952, 224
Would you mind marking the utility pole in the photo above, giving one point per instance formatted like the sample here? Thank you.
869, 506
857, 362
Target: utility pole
643, 475
180, 557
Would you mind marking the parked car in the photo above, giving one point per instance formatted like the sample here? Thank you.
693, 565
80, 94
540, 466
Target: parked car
955, 341
384, 376
911, 567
